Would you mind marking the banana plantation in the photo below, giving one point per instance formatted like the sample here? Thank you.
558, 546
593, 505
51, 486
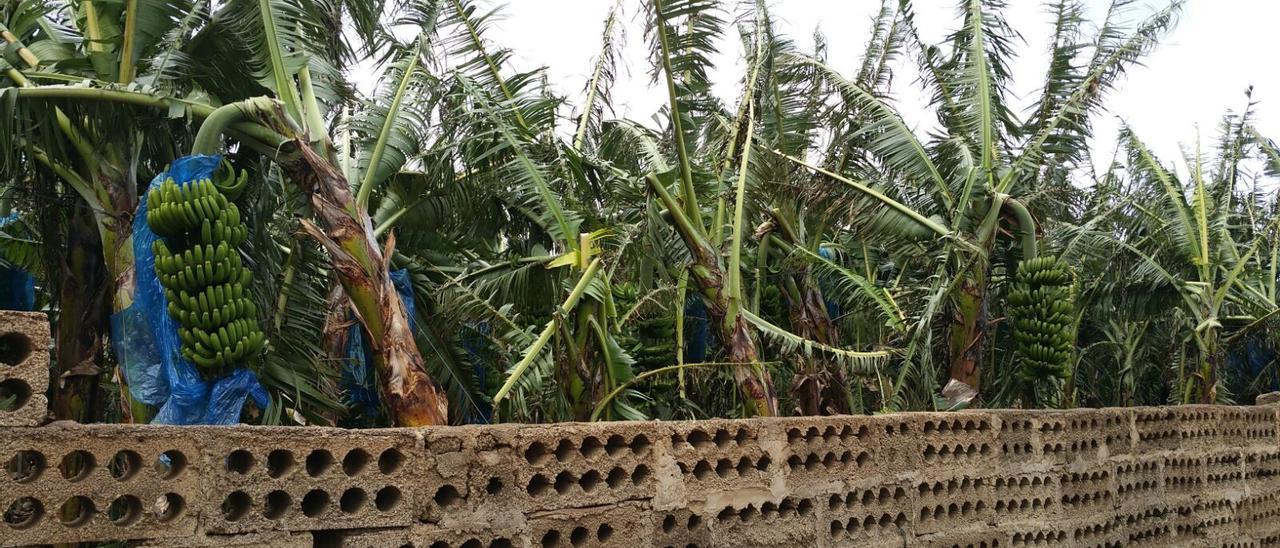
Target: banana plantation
223, 228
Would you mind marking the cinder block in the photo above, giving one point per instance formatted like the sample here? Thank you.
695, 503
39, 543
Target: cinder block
70, 483
950, 503
791, 521
713, 464
1139, 480
426, 536
972, 536
274, 539
580, 465
681, 528
822, 455
24, 368
1024, 497
626, 524
310, 479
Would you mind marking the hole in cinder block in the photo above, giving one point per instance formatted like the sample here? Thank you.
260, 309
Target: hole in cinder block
494, 486
76, 511
278, 503
537, 453
591, 447
564, 480
168, 507
472, 543
387, 498
641, 474
615, 445
25, 466
551, 538
14, 393
355, 462
124, 465
565, 450
390, 461
604, 532
668, 523
352, 500
76, 465
239, 461
589, 481
702, 470
698, 438
236, 505
447, 496
726, 514
722, 438
319, 462
169, 464
640, 445
125, 510
538, 485
693, 523
315, 502
436, 544
23, 513
616, 477
280, 463
15, 348
578, 536
500, 543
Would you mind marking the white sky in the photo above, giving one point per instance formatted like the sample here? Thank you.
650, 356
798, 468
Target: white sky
1201, 69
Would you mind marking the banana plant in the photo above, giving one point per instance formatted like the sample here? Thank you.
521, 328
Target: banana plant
987, 167
186, 58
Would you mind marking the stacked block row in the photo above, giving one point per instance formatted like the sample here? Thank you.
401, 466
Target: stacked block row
1196, 476
1181, 476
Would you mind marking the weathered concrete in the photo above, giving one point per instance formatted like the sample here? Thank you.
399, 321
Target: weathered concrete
1172, 476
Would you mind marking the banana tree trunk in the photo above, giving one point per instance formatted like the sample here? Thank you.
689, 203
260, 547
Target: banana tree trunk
363, 270
82, 315
969, 329
821, 388
753, 380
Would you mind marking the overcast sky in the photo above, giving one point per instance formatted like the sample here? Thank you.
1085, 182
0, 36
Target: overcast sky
1218, 49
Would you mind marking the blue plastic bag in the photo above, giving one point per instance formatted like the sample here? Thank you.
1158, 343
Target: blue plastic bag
359, 383
17, 286
474, 340
697, 329
146, 339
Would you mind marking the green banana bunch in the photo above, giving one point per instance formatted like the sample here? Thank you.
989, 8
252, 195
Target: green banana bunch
203, 274
1043, 315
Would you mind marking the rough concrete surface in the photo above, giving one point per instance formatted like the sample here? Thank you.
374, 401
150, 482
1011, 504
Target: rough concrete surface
1198, 476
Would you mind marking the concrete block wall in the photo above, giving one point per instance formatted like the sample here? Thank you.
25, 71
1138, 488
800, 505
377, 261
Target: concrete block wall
1201, 476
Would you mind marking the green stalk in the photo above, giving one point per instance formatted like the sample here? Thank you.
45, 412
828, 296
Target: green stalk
379, 148
683, 223
493, 67
209, 138
1026, 228
686, 169
682, 291
879, 196
534, 350
315, 122
735, 252
580, 136
130, 40
284, 83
